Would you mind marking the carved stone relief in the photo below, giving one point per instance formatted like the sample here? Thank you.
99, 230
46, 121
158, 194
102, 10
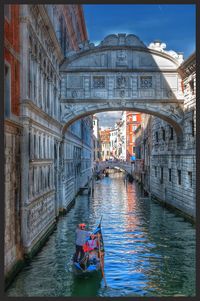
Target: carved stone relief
121, 81
122, 60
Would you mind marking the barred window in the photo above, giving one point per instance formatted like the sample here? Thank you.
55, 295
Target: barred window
146, 82
99, 82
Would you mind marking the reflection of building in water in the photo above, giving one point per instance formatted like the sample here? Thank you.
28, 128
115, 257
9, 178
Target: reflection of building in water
131, 217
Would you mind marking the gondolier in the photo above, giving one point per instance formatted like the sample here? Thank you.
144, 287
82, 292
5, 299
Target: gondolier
81, 236
93, 261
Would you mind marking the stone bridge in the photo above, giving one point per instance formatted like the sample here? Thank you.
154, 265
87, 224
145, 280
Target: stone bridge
126, 166
121, 73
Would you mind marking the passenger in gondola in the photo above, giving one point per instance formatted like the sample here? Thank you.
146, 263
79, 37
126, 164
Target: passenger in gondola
93, 248
81, 237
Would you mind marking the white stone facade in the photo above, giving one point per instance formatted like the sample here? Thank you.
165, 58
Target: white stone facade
49, 166
12, 245
171, 174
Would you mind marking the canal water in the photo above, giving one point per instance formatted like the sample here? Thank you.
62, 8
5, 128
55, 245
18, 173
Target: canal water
149, 250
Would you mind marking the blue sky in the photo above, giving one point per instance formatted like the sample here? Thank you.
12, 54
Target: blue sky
175, 25
172, 24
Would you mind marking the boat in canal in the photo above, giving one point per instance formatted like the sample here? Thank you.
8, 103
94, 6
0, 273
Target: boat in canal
93, 261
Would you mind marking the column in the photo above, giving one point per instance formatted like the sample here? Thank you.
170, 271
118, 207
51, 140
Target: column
24, 38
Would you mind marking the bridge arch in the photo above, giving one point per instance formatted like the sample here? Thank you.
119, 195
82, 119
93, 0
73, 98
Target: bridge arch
125, 166
121, 73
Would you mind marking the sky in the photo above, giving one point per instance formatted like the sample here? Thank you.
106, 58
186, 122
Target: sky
174, 25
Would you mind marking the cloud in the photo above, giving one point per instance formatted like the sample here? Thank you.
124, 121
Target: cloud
108, 119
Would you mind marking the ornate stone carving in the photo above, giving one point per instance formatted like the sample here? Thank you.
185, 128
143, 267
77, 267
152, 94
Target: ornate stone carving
122, 93
86, 45
122, 39
122, 81
122, 58
74, 94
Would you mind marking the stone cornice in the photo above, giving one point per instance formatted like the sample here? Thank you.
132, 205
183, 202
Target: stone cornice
98, 100
118, 70
13, 124
48, 118
46, 129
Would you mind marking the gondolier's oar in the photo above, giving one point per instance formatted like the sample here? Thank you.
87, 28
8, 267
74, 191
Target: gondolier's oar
102, 268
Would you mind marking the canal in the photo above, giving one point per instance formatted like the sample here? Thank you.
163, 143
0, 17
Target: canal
150, 251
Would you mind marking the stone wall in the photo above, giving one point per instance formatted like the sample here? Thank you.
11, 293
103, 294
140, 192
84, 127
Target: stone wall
49, 188
37, 187
173, 161
12, 246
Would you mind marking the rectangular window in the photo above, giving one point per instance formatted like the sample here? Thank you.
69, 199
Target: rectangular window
7, 90
179, 177
190, 178
99, 82
171, 133
170, 175
134, 127
155, 169
134, 117
161, 175
146, 82
156, 136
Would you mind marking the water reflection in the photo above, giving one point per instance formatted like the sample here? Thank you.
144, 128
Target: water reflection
150, 251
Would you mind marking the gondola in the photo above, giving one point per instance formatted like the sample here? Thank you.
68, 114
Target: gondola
88, 265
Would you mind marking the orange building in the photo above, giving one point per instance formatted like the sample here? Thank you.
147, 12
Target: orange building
133, 120
105, 144
11, 60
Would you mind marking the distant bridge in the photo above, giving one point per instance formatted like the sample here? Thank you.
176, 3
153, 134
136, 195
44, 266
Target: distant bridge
123, 165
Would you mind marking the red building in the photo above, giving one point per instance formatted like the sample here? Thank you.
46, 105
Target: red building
133, 120
11, 60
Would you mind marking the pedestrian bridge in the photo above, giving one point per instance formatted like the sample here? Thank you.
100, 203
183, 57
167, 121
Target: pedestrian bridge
124, 165
122, 73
